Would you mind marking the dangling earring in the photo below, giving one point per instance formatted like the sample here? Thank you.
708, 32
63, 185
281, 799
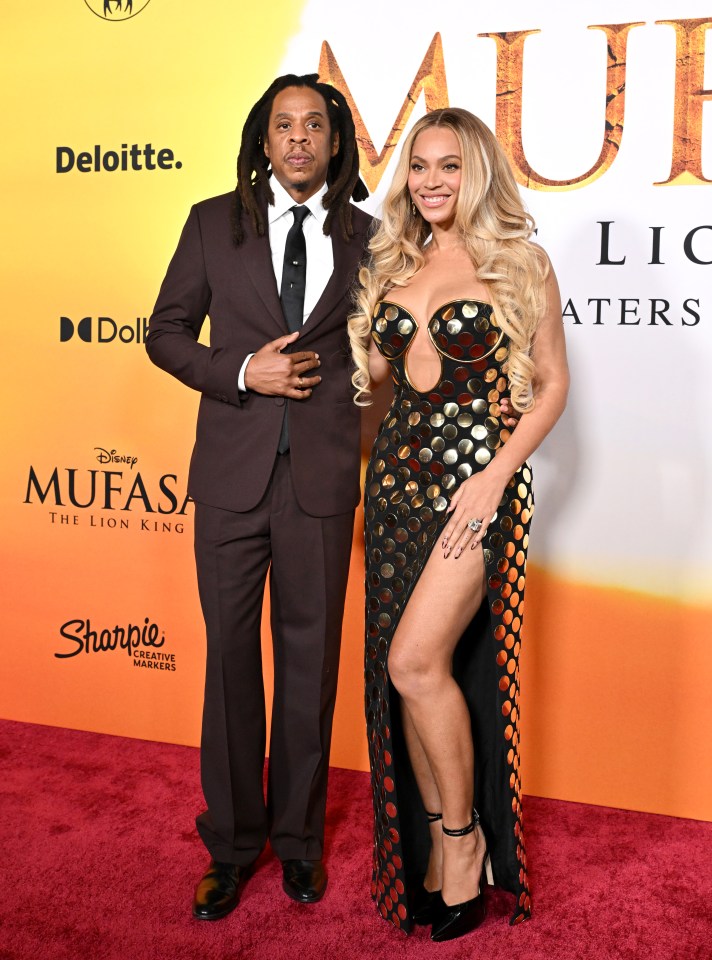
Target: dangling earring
413, 208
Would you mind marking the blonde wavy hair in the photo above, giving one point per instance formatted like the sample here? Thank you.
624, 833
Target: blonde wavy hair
496, 231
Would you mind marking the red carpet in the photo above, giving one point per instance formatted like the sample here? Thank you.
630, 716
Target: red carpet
99, 861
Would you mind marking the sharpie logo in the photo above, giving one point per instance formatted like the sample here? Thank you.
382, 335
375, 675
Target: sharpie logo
79, 637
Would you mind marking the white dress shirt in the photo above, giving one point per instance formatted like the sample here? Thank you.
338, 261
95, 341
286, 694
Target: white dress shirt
320, 254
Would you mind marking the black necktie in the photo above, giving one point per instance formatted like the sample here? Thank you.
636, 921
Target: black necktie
294, 281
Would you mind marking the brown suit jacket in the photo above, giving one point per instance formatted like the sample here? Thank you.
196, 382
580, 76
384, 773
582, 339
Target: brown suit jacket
238, 433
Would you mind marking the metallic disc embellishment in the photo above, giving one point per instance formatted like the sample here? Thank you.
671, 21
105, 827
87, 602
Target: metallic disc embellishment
405, 326
391, 313
483, 456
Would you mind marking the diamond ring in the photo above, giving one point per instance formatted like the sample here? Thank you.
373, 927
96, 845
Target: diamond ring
474, 525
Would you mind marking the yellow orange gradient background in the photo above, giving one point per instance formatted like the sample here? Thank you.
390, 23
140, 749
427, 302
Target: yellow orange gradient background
616, 684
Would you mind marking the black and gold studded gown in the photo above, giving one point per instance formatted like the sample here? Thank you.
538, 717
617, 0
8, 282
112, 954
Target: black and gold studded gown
427, 445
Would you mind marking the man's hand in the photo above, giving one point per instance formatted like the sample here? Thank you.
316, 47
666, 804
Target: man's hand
510, 416
278, 374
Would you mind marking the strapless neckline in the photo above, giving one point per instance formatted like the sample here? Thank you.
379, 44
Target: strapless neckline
448, 303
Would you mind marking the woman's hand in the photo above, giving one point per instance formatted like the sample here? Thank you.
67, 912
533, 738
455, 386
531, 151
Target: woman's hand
476, 499
510, 416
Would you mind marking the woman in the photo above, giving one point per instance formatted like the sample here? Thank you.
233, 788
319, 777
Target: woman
459, 307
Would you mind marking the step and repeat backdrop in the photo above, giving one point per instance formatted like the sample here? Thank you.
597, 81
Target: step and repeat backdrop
119, 115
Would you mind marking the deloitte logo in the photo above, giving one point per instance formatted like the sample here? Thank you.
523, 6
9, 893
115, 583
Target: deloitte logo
116, 9
103, 330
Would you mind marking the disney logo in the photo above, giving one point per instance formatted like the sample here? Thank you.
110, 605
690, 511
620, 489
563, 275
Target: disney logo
111, 456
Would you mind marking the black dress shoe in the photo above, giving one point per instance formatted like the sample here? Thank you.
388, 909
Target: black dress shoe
219, 890
304, 880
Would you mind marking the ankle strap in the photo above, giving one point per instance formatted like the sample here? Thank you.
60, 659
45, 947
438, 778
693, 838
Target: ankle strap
463, 831
433, 817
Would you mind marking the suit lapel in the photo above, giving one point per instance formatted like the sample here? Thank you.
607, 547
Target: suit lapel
256, 259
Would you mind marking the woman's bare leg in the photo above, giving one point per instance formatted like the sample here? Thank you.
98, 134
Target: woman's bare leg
444, 601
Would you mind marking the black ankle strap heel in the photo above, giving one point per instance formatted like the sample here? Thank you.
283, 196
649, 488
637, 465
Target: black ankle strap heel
459, 919
433, 817
463, 831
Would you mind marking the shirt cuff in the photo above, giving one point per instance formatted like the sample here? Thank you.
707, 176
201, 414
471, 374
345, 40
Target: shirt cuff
241, 377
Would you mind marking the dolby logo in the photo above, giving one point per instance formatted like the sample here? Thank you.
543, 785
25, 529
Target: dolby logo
103, 330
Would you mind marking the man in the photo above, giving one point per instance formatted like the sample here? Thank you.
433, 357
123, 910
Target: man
274, 472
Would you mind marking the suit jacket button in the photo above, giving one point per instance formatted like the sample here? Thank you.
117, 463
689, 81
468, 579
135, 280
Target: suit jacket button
279, 401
